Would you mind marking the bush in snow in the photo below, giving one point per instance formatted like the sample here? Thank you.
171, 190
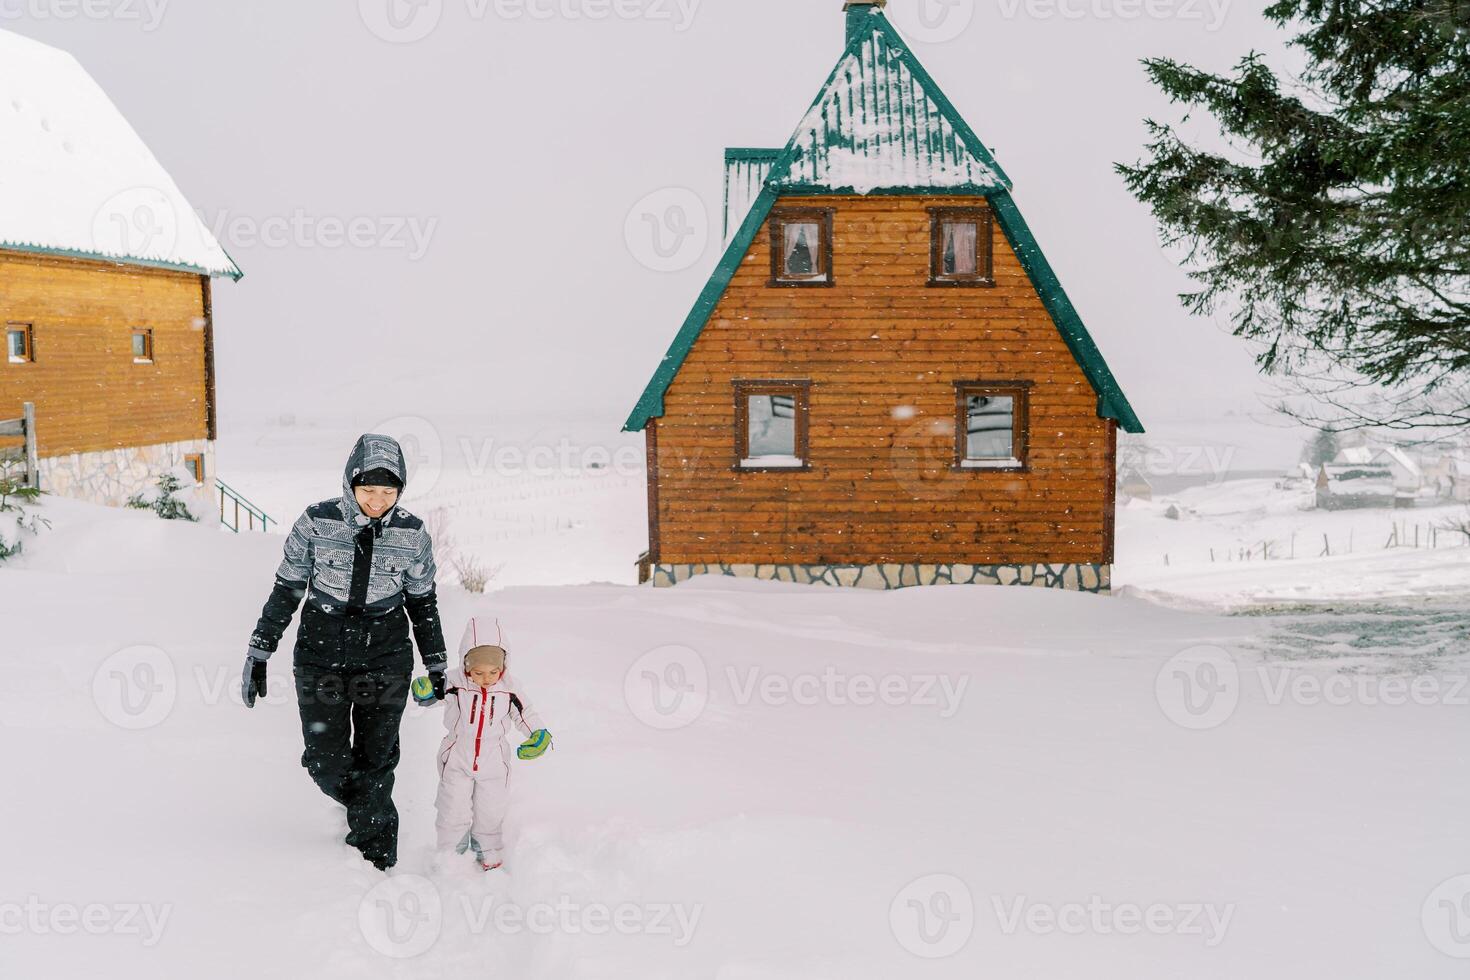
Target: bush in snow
162, 499
16, 521
474, 574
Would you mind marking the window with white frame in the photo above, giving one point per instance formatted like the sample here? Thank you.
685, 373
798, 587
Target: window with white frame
19, 348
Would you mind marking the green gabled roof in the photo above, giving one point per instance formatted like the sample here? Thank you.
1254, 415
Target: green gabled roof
882, 122
881, 125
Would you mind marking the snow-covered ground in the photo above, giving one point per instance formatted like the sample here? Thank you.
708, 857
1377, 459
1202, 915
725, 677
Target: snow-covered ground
751, 780
545, 504
1212, 554
1233, 767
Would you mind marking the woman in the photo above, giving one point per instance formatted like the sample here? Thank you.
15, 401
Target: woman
366, 569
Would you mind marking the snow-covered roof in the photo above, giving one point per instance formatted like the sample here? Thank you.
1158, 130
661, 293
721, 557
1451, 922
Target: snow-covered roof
882, 123
1359, 479
746, 171
1355, 454
75, 179
1396, 456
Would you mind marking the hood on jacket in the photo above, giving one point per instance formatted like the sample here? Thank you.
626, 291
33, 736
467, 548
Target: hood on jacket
372, 452
480, 631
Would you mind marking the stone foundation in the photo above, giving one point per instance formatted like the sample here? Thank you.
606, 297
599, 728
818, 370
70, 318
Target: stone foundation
112, 476
1079, 578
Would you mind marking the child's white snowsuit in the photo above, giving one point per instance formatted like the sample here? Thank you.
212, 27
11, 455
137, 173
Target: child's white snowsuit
474, 757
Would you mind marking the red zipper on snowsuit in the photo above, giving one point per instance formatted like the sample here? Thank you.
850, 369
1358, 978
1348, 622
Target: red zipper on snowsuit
481, 729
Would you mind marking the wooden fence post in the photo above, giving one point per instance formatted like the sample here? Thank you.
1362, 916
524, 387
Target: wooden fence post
33, 465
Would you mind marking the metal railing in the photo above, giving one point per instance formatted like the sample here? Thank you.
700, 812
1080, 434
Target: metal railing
234, 508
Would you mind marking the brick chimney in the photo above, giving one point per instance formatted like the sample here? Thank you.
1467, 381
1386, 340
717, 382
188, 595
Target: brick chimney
858, 11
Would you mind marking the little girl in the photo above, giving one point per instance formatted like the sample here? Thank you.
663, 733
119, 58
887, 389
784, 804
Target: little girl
481, 703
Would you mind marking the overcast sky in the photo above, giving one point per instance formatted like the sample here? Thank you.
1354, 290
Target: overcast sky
491, 153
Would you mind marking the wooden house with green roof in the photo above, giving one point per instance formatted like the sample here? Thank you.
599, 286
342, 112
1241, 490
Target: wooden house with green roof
883, 384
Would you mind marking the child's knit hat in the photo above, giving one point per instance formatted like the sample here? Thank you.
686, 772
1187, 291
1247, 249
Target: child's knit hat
483, 644
486, 656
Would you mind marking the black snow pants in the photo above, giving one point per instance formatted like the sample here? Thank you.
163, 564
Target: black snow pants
352, 683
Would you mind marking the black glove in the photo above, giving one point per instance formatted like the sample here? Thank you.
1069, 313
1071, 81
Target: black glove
252, 684
436, 677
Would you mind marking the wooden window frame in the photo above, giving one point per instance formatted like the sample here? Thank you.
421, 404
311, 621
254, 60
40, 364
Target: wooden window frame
984, 277
147, 334
1020, 424
29, 329
780, 217
195, 464
744, 390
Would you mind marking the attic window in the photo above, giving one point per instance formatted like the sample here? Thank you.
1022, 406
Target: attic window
18, 344
801, 247
990, 424
960, 247
771, 419
142, 346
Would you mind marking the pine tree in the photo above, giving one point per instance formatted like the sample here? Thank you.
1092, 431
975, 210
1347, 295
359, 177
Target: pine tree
1323, 448
1341, 235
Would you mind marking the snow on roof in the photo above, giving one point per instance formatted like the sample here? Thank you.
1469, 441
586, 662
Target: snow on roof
1356, 454
1393, 454
1359, 479
881, 122
746, 171
75, 179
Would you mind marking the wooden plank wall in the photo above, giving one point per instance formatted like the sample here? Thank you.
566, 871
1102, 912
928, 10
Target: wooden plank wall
89, 394
882, 350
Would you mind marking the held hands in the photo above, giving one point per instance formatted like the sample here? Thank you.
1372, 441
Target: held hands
535, 746
252, 681
429, 690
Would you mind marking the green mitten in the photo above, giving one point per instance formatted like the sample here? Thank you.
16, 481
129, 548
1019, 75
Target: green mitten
535, 746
